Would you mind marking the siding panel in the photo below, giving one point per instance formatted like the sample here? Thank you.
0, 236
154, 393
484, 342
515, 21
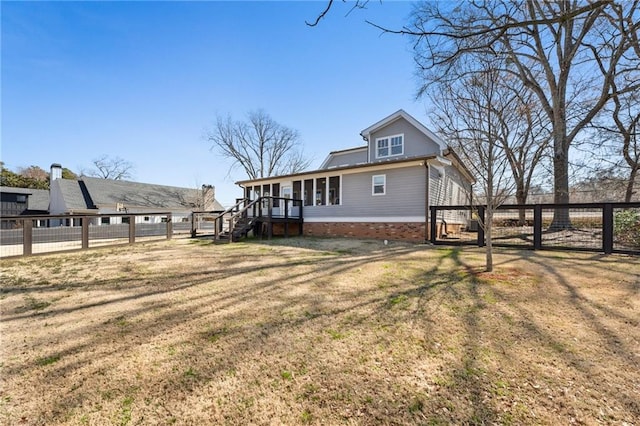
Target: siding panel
405, 195
416, 143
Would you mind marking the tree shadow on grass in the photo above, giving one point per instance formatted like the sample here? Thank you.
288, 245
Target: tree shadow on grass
255, 321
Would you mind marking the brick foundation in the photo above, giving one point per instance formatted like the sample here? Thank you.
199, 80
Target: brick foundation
412, 231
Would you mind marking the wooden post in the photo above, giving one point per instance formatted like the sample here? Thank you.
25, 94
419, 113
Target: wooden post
434, 226
537, 227
193, 225
481, 226
27, 237
286, 218
607, 228
85, 232
169, 226
270, 215
301, 219
132, 229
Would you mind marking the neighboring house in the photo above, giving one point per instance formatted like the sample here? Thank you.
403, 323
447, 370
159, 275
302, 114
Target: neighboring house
89, 195
379, 190
23, 201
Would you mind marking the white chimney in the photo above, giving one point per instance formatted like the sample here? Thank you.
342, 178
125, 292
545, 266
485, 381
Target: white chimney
56, 172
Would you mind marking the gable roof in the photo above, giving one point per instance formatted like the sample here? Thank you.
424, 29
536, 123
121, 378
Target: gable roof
37, 200
88, 193
110, 192
341, 152
74, 197
415, 123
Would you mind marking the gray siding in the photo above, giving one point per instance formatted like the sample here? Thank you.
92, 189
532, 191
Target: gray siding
405, 195
416, 143
449, 189
347, 159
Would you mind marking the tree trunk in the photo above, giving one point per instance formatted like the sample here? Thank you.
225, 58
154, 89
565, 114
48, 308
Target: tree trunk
561, 218
632, 178
488, 225
521, 198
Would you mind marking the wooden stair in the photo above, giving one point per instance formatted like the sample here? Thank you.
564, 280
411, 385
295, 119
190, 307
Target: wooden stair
240, 230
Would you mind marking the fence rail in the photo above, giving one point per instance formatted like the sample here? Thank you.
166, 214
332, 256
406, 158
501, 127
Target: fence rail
598, 227
27, 235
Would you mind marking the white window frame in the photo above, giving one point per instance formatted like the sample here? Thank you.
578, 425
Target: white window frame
388, 140
373, 185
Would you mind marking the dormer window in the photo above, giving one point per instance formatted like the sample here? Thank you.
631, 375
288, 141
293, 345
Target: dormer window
390, 146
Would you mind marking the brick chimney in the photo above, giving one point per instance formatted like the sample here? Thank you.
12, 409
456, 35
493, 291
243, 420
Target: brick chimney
208, 196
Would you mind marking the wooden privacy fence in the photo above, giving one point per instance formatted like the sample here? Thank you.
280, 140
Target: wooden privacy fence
599, 227
27, 235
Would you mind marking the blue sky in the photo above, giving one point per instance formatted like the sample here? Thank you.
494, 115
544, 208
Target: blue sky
145, 80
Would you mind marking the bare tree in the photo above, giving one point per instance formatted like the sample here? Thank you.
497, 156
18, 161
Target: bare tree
568, 53
618, 144
471, 116
107, 167
260, 145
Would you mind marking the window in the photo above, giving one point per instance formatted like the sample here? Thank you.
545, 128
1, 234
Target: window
21, 198
383, 148
321, 192
397, 147
105, 221
390, 146
334, 190
379, 184
308, 192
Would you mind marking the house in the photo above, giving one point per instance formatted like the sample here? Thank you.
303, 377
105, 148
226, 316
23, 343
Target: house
89, 195
22, 201
382, 189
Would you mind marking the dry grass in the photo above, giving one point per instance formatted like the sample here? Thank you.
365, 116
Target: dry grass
319, 332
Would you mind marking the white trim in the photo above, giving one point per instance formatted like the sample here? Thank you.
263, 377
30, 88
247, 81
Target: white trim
373, 185
388, 138
377, 219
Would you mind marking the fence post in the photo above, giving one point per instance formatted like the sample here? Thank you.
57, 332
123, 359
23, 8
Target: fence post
85, 232
607, 228
193, 225
27, 237
301, 218
169, 226
537, 227
433, 226
132, 229
481, 225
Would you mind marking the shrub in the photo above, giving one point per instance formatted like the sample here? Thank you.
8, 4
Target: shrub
626, 227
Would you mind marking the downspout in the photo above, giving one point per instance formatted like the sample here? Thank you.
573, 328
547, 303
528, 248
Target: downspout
442, 197
426, 203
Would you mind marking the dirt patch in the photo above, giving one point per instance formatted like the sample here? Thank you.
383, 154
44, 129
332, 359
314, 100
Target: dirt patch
318, 331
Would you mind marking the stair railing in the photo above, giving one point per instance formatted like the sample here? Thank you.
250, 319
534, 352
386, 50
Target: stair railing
218, 221
242, 213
